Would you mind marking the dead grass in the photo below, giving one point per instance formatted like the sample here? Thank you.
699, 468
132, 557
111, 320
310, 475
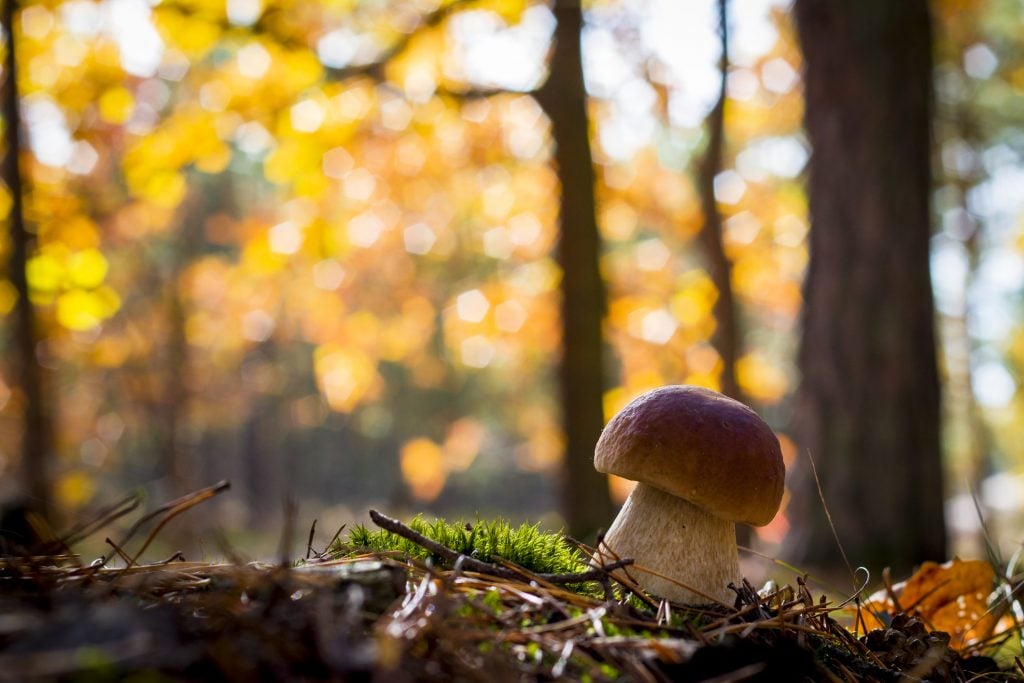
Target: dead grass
390, 617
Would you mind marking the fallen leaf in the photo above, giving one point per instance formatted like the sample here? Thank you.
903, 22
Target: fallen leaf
951, 597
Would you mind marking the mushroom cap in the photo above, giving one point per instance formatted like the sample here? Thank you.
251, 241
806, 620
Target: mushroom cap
700, 446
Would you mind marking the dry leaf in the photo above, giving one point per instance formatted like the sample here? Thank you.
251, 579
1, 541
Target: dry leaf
950, 597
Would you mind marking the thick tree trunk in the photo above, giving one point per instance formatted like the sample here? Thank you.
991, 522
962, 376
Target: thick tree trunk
585, 499
868, 407
29, 375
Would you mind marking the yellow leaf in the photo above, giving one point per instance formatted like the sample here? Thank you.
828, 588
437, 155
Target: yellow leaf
165, 188
462, 444
8, 297
696, 297
116, 105
761, 380
190, 35
951, 597
75, 489
346, 376
422, 463
509, 10
290, 159
5, 201
301, 69
417, 70
87, 268
45, 272
78, 309
77, 232
214, 160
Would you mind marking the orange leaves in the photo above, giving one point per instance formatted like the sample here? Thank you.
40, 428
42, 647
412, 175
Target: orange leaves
951, 597
760, 379
426, 465
422, 464
402, 239
346, 376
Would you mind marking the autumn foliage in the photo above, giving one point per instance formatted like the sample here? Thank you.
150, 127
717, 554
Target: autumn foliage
332, 216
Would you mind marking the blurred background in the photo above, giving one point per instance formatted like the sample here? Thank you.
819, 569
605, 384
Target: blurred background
412, 255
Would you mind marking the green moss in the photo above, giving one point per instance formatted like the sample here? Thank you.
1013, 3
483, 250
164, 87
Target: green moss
525, 545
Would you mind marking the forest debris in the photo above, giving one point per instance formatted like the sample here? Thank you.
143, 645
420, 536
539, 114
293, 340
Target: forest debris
394, 616
953, 598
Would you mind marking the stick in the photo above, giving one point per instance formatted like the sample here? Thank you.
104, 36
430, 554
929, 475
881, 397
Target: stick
172, 510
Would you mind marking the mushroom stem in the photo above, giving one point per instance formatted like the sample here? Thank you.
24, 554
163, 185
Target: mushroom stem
673, 537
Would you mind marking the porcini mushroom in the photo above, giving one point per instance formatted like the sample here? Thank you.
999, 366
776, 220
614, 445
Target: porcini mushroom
702, 462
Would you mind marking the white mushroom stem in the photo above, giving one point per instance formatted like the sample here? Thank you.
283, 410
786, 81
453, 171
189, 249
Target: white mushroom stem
675, 538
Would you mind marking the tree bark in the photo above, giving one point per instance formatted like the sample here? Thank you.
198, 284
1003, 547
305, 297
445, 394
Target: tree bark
586, 502
29, 375
726, 339
868, 406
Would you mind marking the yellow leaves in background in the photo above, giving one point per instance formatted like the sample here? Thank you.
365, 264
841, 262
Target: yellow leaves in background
694, 299
952, 597
79, 309
760, 379
422, 464
116, 105
87, 268
488, 326
346, 376
8, 297
545, 442
408, 332
425, 465
418, 69
73, 282
191, 34
462, 444
74, 489
381, 213
294, 161
154, 165
6, 201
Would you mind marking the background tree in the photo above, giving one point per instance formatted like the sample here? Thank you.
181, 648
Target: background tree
867, 409
727, 338
29, 375
586, 503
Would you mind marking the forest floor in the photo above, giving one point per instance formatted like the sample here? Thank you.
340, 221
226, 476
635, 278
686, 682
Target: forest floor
350, 613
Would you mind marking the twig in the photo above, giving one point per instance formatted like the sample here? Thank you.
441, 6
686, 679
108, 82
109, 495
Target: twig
103, 517
445, 553
120, 553
187, 499
172, 510
467, 563
595, 574
309, 543
178, 556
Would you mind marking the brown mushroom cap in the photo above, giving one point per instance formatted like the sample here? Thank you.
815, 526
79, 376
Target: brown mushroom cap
698, 445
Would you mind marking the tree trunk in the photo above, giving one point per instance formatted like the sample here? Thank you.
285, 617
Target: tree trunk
868, 407
175, 456
726, 339
585, 498
29, 375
